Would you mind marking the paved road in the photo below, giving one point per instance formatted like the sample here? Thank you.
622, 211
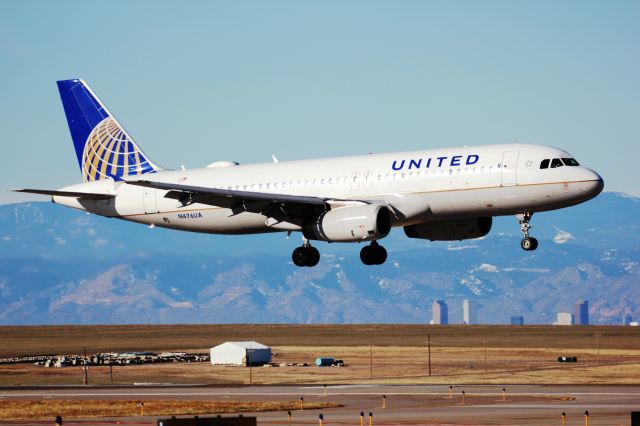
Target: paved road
405, 405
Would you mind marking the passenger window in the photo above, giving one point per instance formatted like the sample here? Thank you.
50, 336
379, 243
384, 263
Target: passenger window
556, 163
570, 162
544, 164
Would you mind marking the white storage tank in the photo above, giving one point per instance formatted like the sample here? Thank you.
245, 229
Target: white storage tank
240, 353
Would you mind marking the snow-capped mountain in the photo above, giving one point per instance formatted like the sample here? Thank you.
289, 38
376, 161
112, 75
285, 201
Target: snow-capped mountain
62, 266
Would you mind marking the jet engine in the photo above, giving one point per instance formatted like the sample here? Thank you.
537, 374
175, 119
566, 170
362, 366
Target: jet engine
351, 223
450, 230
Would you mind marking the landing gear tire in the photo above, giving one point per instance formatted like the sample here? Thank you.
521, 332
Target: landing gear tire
300, 256
366, 255
529, 244
373, 254
305, 256
314, 256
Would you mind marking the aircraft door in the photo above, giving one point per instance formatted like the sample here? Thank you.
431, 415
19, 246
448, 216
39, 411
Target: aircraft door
149, 200
509, 168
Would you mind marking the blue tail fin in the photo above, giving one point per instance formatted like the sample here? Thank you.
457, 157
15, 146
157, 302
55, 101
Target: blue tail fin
104, 149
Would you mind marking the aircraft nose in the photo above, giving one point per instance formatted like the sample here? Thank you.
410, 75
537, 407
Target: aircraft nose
594, 185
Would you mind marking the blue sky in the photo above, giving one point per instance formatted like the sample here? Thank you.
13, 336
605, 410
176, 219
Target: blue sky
196, 82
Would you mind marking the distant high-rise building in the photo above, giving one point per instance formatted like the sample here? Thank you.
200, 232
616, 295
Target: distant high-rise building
626, 319
564, 318
581, 312
469, 312
440, 313
517, 320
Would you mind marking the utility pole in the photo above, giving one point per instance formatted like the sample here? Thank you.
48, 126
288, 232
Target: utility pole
86, 368
429, 348
485, 356
371, 360
598, 348
249, 351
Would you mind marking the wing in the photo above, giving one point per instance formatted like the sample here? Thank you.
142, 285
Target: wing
279, 206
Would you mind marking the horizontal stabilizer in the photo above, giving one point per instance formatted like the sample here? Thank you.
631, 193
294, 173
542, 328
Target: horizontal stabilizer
84, 195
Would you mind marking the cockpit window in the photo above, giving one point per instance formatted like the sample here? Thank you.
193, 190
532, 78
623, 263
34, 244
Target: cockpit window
556, 163
545, 163
570, 162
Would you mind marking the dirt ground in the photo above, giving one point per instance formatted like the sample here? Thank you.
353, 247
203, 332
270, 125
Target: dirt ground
49, 409
391, 354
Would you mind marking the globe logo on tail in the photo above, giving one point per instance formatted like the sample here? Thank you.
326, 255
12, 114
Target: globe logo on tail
110, 153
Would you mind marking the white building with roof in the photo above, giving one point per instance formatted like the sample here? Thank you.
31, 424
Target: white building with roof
240, 353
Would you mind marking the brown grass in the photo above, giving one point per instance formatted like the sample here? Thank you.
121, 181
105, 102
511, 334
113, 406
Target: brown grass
393, 365
519, 355
34, 410
29, 340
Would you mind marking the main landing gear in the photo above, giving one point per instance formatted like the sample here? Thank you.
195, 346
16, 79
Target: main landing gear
527, 243
373, 254
306, 255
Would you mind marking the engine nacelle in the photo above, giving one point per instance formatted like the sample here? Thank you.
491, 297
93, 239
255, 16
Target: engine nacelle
450, 230
348, 224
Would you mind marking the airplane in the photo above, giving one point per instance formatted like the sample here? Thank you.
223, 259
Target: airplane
443, 194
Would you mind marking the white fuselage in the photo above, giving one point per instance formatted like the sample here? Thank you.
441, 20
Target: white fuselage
418, 186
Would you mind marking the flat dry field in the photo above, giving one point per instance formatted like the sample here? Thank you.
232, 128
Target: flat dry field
49, 409
394, 354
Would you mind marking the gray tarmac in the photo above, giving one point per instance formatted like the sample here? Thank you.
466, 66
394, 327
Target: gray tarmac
405, 405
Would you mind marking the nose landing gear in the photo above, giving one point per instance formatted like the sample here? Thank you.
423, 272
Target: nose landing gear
306, 255
373, 254
527, 243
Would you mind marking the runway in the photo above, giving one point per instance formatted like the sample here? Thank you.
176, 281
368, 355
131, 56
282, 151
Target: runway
405, 405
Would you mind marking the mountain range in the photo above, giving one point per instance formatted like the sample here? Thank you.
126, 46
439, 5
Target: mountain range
61, 266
